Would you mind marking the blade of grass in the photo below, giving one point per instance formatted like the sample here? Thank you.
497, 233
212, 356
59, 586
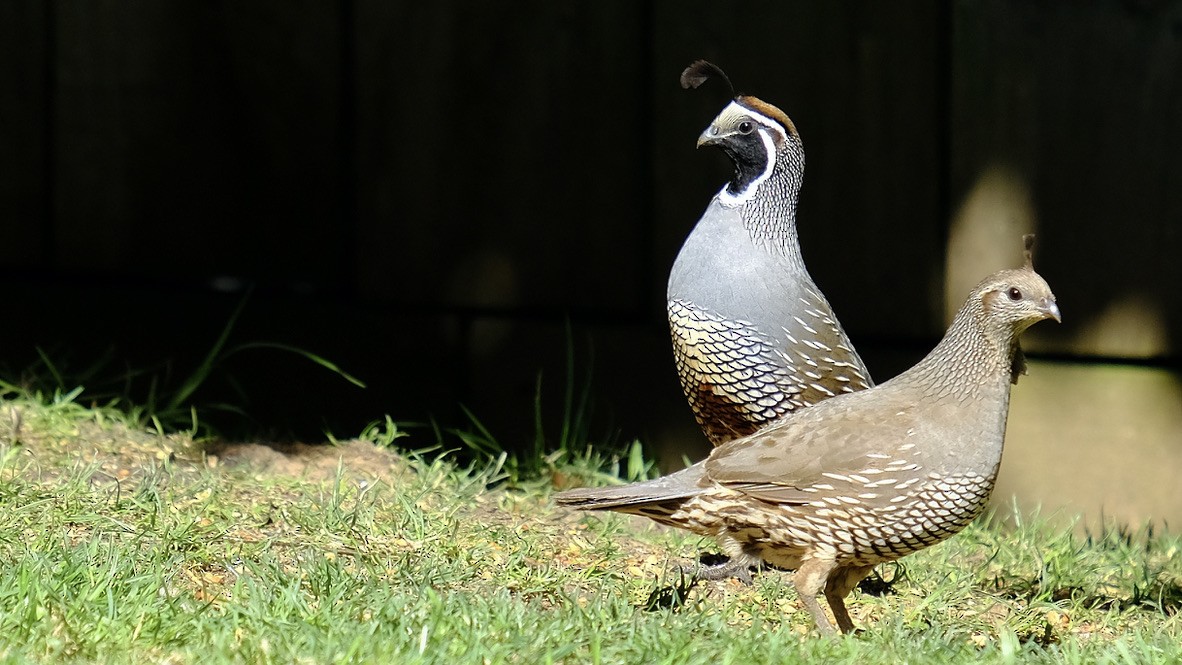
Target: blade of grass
51, 367
319, 360
199, 375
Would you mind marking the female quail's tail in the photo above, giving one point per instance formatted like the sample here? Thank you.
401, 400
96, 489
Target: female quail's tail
673, 487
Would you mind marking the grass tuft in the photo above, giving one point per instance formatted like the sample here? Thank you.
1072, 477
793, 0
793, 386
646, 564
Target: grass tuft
550, 460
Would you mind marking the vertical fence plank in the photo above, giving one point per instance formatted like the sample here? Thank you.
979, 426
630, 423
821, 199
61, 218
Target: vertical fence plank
24, 112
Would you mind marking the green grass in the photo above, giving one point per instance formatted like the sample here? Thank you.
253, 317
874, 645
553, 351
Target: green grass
122, 546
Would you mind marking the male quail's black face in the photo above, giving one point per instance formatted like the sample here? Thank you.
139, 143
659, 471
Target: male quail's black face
746, 149
748, 139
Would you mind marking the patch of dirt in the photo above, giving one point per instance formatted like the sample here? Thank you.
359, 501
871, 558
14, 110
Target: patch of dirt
357, 459
120, 453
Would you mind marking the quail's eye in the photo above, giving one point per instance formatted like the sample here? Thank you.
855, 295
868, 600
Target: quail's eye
746, 127
1014, 293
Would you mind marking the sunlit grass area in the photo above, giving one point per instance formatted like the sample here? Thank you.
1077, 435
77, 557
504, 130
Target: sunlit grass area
121, 545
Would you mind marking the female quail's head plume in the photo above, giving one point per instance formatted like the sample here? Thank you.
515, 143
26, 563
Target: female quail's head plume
863, 478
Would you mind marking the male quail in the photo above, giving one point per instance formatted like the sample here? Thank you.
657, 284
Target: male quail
832, 490
753, 337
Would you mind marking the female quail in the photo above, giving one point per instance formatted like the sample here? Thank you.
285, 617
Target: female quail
753, 337
860, 479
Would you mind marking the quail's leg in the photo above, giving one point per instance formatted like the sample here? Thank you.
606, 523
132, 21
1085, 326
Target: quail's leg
720, 571
809, 580
738, 567
840, 584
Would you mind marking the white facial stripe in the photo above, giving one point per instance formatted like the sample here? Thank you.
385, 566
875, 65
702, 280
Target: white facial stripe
736, 109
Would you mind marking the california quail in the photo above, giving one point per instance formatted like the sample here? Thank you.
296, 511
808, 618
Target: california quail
832, 490
753, 337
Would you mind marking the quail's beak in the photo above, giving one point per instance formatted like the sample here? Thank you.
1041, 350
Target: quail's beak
710, 137
1051, 309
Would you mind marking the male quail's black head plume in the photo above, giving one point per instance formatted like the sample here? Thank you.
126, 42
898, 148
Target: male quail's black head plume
701, 71
832, 490
753, 337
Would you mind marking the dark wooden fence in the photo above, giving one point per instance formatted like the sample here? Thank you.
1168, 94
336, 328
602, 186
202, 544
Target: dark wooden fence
428, 192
